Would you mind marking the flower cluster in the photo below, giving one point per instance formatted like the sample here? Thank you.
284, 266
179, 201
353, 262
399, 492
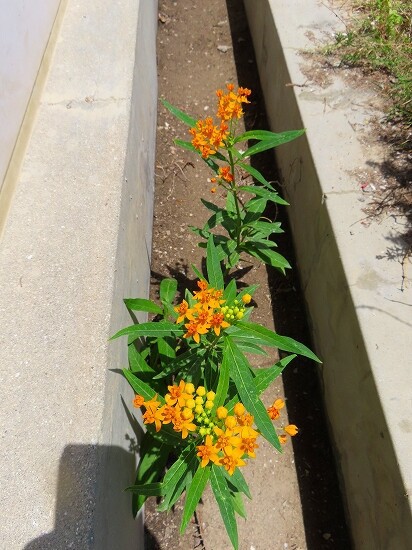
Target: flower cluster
230, 104
229, 439
207, 314
177, 410
208, 137
274, 414
226, 439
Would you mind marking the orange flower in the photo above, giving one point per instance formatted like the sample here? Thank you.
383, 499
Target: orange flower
154, 417
225, 438
217, 321
207, 138
194, 330
177, 394
230, 104
207, 452
183, 425
248, 446
232, 459
138, 401
291, 429
181, 309
226, 174
274, 409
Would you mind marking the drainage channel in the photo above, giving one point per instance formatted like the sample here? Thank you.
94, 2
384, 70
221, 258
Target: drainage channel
296, 500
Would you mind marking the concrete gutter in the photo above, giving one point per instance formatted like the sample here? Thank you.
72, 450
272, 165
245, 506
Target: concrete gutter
76, 241
361, 319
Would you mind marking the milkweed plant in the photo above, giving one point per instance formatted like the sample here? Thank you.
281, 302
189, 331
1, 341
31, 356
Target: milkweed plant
198, 393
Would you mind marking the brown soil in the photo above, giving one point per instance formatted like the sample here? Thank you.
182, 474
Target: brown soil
297, 503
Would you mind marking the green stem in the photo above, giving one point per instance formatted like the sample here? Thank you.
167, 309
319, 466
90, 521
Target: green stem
234, 192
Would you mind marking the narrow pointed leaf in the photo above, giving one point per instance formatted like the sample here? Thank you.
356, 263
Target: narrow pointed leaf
266, 255
264, 377
155, 329
149, 489
224, 500
238, 481
214, 271
167, 290
240, 372
136, 361
275, 340
139, 387
263, 192
194, 494
256, 134
222, 386
190, 121
238, 505
278, 139
140, 304
153, 458
256, 174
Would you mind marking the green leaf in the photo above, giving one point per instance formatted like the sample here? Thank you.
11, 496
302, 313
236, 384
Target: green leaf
225, 503
266, 228
256, 174
190, 121
194, 494
250, 348
140, 304
266, 255
139, 387
179, 468
240, 372
238, 505
214, 271
238, 481
263, 192
136, 361
229, 293
193, 357
256, 205
278, 139
153, 458
177, 476
167, 290
270, 338
264, 377
197, 273
211, 206
155, 329
167, 350
230, 203
222, 385
172, 495
148, 489
256, 134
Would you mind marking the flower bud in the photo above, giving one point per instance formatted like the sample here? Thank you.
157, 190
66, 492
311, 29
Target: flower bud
221, 412
239, 409
189, 388
246, 298
230, 422
201, 391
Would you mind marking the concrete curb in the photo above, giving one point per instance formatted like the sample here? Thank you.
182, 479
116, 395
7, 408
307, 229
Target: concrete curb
360, 318
77, 241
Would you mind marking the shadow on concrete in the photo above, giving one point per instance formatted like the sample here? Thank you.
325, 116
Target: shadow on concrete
322, 507
92, 510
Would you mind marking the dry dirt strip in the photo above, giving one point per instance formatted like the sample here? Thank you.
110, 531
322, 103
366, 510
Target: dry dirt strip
197, 49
